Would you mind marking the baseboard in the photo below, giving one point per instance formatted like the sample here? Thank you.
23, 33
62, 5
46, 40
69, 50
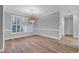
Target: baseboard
19, 36
1, 50
49, 36
76, 37
68, 35
31, 35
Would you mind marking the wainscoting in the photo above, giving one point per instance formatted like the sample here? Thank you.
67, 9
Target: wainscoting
52, 33
9, 35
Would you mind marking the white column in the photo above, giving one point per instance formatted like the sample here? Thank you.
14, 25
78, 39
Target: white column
61, 28
75, 25
78, 31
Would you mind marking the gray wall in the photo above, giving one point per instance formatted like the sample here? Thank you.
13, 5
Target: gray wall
69, 25
49, 25
7, 27
35, 27
46, 25
1, 27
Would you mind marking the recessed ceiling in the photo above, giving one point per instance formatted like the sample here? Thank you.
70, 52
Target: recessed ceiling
38, 9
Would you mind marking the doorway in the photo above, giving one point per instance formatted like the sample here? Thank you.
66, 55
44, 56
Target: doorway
68, 25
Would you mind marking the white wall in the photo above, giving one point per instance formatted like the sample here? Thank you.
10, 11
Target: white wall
1, 28
49, 25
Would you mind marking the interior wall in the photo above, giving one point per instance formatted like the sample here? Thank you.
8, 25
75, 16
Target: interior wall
35, 27
49, 25
68, 25
46, 25
1, 27
7, 27
64, 12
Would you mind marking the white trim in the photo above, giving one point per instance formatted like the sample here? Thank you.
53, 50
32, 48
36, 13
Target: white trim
19, 36
49, 36
2, 50
49, 13
6, 30
48, 29
61, 26
78, 31
31, 35
11, 11
25, 14
75, 36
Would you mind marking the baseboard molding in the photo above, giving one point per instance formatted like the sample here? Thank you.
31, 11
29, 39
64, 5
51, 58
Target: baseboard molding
68, 35
49, 36
76, 37
31, 35
1, 50
19, 36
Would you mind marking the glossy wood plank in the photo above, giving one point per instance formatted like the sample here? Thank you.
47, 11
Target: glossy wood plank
37, 44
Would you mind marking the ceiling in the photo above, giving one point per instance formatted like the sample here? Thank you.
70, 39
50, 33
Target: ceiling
38, 9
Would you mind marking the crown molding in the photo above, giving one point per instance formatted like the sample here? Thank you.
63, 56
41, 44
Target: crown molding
49, 13
16, 11
12, 11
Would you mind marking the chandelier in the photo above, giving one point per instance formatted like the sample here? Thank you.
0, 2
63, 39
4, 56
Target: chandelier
32, 18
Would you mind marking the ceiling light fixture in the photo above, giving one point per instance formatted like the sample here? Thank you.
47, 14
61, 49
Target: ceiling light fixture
69, 13
32, 18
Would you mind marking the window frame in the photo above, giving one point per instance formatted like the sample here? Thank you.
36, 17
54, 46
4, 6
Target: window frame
12, 17
24, 31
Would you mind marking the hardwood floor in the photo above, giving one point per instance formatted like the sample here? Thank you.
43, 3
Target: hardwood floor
37, 44
70, 41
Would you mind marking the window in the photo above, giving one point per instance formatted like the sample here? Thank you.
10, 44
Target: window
30, 27
20, 24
